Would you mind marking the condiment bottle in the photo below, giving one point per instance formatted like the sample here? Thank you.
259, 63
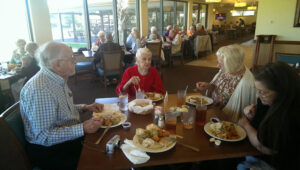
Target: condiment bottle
161, 122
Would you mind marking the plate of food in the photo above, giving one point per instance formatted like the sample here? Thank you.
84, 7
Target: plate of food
226, 131
115, 118
155, 97
153, 139
197, 99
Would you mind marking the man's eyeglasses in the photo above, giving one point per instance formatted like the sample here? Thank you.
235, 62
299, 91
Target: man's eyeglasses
73, 59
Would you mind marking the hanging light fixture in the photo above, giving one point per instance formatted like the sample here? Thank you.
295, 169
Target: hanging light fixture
238, 4
212, 1
252, 7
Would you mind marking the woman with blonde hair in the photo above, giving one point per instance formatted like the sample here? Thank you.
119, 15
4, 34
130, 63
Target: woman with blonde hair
134, 40
233, 86
99, 41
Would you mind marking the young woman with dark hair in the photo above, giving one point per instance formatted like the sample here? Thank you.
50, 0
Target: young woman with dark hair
273, 125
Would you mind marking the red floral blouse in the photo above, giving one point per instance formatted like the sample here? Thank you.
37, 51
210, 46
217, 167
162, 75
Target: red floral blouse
225, 85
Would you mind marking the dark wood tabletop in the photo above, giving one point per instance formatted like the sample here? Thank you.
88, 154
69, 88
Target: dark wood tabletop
93, 159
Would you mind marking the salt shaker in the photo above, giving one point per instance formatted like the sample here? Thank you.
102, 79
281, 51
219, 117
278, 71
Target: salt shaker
161, 122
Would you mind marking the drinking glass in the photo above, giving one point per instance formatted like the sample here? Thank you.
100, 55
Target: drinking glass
139, 94
201, 111
188, 118
123, 101
181, 94
170, 121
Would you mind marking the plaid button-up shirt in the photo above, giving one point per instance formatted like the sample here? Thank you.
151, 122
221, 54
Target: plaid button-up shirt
47, 110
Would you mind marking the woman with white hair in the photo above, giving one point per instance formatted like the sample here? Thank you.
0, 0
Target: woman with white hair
99, 41
141, 76
233, 86
134, 40
19, 52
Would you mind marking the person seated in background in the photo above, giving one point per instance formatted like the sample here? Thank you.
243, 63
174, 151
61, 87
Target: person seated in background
153, 38
233, 87
199, 31
176, 29
169, 28
51, 121
29, 68
109, 45
134, 40
273, 124
153, 32
141, 76
175, 41
99, 41
191, 30
19, 52
242, 23
183, 31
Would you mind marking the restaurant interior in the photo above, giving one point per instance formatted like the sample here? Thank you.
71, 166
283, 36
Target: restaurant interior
264, 29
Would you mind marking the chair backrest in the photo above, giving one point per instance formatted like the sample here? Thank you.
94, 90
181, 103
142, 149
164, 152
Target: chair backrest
289, 58
112, 60
155, 48
202, 43
12, 141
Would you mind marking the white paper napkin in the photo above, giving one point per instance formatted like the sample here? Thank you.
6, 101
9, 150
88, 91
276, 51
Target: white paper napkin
132, 153
110, 108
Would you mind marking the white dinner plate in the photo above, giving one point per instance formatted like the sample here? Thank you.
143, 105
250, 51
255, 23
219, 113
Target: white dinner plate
122, 115
207, 99
242, 133
140, 146
154, 100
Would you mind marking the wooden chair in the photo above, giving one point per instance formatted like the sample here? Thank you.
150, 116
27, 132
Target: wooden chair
155, 48
12, 141
179, 54
112, 65
289, 58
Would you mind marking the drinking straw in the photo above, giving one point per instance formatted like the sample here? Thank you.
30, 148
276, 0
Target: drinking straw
187, 86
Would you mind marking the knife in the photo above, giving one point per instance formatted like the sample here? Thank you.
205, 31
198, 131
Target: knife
188, 146
99, 140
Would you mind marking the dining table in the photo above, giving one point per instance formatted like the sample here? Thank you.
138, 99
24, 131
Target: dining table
92, 158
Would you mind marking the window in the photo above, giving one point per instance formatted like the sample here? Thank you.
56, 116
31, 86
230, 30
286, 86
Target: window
67, 22
199, 14
16, 27
101, 17
174, 12
154, 15
77, 26
243, 13
127, 18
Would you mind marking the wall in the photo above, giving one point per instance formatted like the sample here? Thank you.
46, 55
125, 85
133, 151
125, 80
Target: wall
229, 18
277, 17
40, 21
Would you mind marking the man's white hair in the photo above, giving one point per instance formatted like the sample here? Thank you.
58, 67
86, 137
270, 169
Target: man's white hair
233, 57
142, 52
50, 52
153, 29
198, 26
101, 34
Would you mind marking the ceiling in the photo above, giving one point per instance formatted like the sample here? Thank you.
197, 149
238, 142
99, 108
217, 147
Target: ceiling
231, 1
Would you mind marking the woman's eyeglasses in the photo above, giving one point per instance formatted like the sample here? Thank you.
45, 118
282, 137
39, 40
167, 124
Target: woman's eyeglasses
263, 94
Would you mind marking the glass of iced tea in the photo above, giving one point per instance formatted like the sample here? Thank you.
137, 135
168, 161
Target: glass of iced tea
181, 94
188, 117
170, 121
201, 111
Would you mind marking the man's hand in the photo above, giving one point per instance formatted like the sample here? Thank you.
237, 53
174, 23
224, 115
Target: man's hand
95, 107
92, 125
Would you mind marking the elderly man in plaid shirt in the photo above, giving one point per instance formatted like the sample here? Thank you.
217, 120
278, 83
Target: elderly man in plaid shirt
52, 125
